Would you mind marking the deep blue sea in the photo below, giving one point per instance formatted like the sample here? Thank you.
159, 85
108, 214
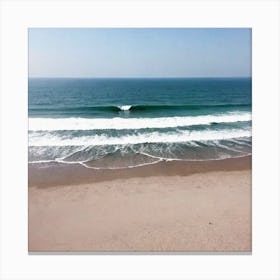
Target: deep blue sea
120, 123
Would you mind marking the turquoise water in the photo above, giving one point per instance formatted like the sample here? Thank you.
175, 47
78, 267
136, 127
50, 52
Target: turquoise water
119, 123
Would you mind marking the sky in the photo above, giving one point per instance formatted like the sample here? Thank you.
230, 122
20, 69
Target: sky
139, 52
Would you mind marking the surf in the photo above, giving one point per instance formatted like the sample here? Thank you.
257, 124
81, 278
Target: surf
52, 124
49, 139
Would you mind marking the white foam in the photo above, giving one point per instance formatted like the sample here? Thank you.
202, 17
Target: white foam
51, 124
120, 167
125, 107
42, 161
48, 139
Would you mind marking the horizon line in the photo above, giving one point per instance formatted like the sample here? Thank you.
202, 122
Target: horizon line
134, 77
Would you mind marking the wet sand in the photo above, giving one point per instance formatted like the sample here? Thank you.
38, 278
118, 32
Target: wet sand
166, 207
55, 174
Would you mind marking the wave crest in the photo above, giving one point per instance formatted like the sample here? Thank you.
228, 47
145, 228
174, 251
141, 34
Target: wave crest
51, 124
135, 108
125, 107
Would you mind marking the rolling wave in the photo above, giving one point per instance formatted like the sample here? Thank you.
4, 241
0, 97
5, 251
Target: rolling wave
180, 107
132, 108
51, 124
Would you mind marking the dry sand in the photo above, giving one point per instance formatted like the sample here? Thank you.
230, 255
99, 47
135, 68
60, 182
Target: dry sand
205, 212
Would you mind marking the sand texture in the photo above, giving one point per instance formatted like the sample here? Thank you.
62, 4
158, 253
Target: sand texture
201, 212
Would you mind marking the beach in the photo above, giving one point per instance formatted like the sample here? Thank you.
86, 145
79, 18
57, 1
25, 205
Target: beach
171, 206
143, 165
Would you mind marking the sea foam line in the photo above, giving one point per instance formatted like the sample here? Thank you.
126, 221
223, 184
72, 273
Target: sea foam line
84, 163
51, 124
48, 139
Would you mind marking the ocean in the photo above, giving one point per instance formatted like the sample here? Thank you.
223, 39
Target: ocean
117, 123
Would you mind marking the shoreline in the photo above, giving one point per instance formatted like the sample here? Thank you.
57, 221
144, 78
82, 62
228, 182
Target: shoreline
41, 175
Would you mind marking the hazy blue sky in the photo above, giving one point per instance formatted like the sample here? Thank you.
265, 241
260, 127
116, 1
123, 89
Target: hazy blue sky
139, 52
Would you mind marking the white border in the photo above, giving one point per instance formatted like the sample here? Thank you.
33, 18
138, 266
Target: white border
262, 16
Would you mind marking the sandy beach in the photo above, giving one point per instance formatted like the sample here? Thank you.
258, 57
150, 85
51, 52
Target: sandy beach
170, 207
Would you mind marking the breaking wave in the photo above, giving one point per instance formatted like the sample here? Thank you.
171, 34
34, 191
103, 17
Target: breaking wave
132, 123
